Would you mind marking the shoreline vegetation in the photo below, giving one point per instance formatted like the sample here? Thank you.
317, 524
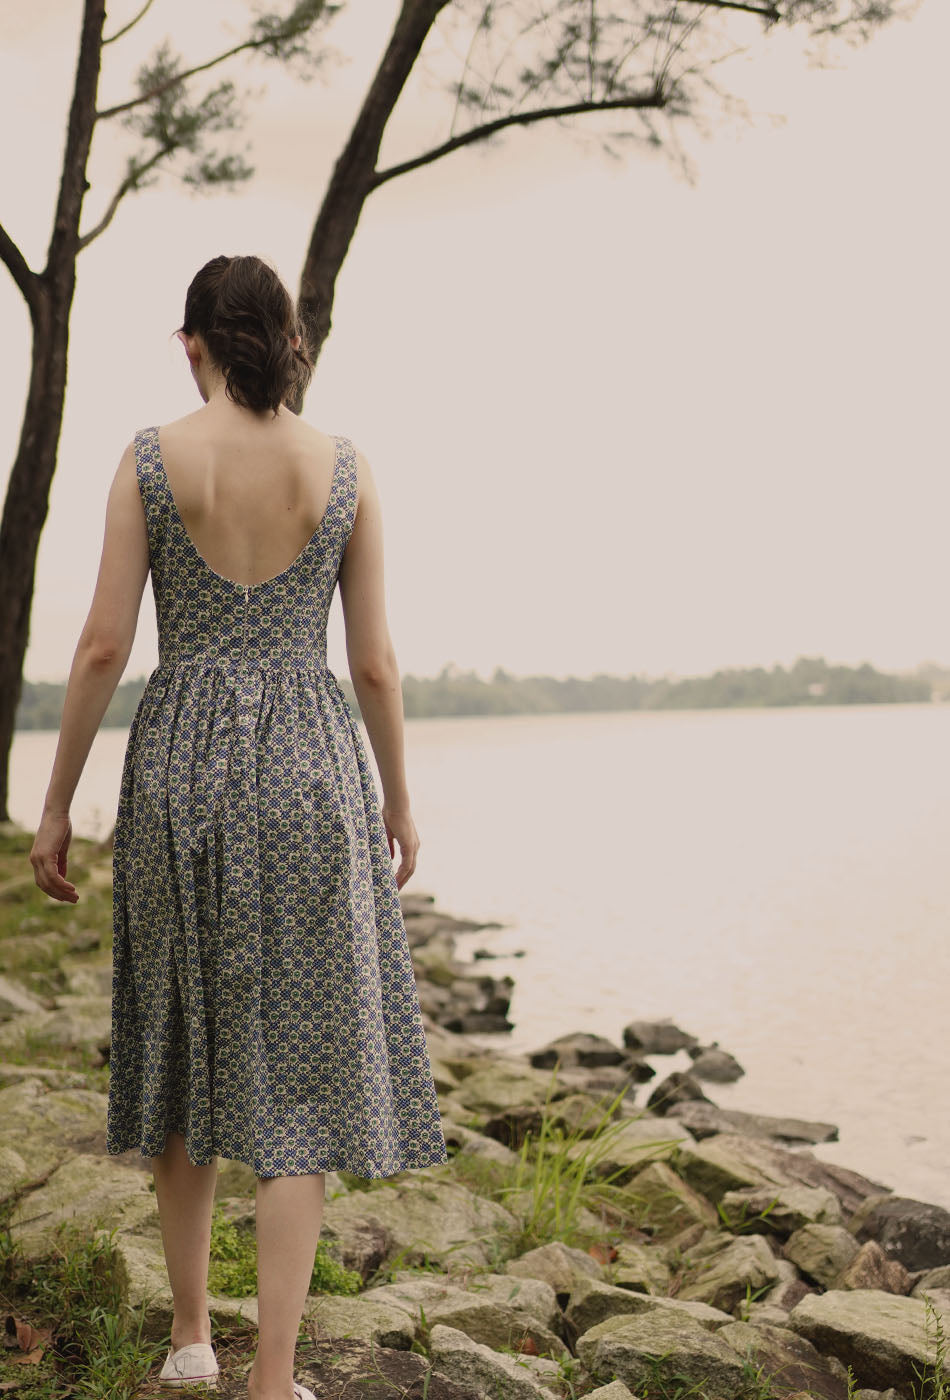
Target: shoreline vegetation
454, 692
602, 1230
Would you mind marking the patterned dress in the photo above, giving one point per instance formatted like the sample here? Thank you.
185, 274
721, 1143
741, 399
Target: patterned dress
263, 996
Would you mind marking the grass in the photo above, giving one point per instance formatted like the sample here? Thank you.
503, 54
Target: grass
93, 1348
232, 1271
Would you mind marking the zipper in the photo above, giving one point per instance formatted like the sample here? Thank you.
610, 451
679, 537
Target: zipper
247, 592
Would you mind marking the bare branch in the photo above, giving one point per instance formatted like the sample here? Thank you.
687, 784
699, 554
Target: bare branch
131, 24
23, 275
654, 98
132, 181
770, 12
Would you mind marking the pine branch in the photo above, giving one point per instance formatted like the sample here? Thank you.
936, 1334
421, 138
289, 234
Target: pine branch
654, 98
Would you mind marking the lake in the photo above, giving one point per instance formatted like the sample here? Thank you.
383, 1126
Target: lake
774, 880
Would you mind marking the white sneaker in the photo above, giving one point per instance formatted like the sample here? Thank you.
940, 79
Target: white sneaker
302, 1393
195, 1364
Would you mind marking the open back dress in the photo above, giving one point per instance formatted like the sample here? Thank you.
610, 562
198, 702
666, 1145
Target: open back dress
263, 996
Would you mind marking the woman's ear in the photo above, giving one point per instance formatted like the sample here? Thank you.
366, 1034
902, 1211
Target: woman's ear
191, 349
295, 343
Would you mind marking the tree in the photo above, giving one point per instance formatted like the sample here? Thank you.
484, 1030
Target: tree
174, 124
530, 61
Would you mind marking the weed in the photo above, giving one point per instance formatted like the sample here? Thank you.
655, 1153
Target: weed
232, 1271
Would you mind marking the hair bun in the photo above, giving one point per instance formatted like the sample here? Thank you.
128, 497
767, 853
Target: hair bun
248, 320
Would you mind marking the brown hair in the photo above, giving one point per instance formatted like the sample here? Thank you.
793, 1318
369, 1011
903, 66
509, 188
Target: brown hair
248, 319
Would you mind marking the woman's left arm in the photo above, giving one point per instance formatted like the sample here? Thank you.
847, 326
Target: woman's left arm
102, 653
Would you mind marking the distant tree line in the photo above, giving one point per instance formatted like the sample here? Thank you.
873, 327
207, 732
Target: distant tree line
811, 681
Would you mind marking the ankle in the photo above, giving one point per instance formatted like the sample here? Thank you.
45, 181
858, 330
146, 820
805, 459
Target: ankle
258, 1388
183, 1335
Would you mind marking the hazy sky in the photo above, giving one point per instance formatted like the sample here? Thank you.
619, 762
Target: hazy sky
618, 423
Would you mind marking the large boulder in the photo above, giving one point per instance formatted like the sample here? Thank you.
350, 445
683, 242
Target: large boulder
557, 1264
704, 1119
329, 1316
484, 1371
15, 1000
593, 1301
872, 1268
505, 1084
639, 1268
822, 1252
666, 1204
780, 1210
657, 1037
77, 1021
915, 1232
627, 1147
791, 1363
89, 1192
883, 1337
711, 1062
578, 1048
426, 1221
664, 1348
730, 1162
745, 1267
497, 1310
44, 1126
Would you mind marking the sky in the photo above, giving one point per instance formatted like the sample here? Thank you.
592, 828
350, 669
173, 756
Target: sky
619, 422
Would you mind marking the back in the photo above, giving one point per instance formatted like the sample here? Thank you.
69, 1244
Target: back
249, 492
276, 614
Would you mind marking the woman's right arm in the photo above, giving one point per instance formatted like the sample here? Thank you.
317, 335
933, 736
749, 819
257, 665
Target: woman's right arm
373, 667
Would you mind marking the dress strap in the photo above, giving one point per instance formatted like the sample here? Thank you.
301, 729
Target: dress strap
343, 493
153, 488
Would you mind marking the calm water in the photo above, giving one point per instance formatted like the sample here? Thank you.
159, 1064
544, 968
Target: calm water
776, 880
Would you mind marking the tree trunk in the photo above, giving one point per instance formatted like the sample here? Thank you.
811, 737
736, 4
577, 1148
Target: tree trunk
353, 178
27, 499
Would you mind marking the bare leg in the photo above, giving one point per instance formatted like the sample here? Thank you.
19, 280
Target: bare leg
185, 1195
289, 1217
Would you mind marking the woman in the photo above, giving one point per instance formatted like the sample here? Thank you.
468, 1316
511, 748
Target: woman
263, 1006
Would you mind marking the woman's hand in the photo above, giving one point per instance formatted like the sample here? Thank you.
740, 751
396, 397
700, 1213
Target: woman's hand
401, 829
48, 856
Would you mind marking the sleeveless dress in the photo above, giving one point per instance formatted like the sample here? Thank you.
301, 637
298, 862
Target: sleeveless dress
263, 996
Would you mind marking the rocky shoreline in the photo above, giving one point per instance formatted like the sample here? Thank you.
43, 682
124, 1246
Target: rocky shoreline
600, 1229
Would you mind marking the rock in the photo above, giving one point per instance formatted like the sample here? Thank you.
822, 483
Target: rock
705, 1119
628, 1147
822, 1252
484, 1371
744, 1267
642, 1270
871, 1268
87, 976
581, 1115
915, 1232
15, 1000
616, 1390
513, 1126
32, 950
42, 1127
881, 1336
662, 1348
667, 1203
478, 1023
54, 1078
87, 1190
932, 1278
729, 1162
346, 1366
142, 1278
789, 1360
657, 1037
763, 1313
427, 1221
497, 1310
76, 1021
578, 1048
593, 1300
506, 1085
469, 1143
709, 1062
557, 1264
675, 1089
877, 1395
330, 1316
788, 1291
779, 1210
